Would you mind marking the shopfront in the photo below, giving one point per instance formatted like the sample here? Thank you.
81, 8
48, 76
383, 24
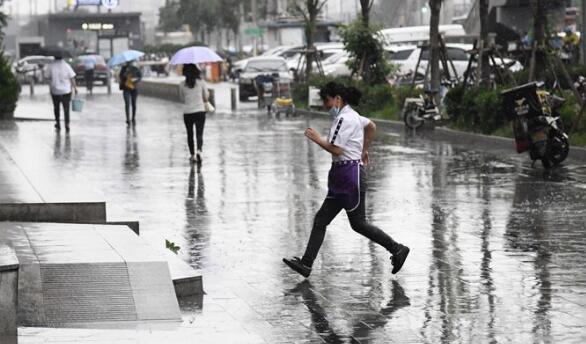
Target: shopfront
105, 34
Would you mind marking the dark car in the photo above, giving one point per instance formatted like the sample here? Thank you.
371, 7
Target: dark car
101, 72
262, 65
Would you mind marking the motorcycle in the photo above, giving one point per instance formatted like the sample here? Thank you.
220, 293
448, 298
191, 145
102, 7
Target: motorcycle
537, 124
417, 111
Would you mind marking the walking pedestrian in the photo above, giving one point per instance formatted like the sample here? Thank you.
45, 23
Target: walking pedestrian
62, 79
348, 142
89, 65
130, 76
195, 94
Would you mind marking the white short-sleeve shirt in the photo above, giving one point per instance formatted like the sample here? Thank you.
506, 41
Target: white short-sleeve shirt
347, 132
61, 74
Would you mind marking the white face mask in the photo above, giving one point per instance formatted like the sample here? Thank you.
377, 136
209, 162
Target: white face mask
334, 111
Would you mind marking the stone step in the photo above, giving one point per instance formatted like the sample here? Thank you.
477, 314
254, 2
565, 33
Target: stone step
31, 189
187, 281
73, 275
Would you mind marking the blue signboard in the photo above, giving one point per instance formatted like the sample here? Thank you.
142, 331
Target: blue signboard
109, 4
87, 2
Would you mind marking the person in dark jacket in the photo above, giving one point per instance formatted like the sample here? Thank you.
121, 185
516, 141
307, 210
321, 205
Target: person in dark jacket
130, 76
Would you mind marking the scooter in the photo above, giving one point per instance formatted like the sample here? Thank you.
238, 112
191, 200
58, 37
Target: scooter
537, 124
417, 111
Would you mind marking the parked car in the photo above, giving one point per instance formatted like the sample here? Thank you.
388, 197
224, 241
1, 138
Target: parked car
32, 66
262, 65
336, 64
405, 57
296, 63
280, 51
101, 72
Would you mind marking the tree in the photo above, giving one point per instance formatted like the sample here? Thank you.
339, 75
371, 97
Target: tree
538, 57
309, 9
365, 48
230, 19
3, 23
9, 87
168, 15
365, 7
365, 45
483, 58
435, 6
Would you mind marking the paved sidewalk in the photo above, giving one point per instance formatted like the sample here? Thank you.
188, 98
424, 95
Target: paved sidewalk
497, 246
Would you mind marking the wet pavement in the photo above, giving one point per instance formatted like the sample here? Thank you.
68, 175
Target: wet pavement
497, 246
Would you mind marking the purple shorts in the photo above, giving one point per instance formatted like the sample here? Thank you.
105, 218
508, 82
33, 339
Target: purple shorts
344, 183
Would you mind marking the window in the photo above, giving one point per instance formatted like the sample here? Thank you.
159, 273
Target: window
457, 54
266, 66
401, 54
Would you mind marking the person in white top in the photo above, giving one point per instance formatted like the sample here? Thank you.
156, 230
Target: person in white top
348, 141
62, 83
195, 93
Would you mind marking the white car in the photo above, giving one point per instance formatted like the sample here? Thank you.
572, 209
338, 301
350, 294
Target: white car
336, 65
297, 61
405, 58
32, 66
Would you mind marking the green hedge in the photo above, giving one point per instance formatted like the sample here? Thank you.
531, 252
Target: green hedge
377, 100
9, 89
479, 110
475, 109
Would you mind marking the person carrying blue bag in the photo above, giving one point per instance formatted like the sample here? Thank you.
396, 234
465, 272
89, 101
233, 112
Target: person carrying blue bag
348, 141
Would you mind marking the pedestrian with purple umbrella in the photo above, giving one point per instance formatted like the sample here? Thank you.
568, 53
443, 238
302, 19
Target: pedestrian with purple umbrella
348, 141
195, 94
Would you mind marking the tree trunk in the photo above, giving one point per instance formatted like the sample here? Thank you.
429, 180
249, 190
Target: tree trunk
365, 6
482, 55
539, 35
435, 6
312, 8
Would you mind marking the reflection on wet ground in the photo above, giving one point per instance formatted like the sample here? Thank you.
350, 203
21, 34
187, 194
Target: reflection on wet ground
497, 246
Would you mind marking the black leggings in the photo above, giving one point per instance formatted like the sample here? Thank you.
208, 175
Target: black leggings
328, 211
59, 100
199, 119
130, 98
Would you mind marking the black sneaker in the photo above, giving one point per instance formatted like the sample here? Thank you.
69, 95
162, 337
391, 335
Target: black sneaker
399, 257
296, 264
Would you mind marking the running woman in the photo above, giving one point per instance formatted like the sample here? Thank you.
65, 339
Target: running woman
348, 142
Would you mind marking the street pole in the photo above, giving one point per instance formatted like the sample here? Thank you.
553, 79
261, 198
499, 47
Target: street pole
583, 32
255, 39
233, 102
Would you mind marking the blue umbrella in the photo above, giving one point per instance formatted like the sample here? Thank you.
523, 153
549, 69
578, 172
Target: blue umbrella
195, 55
126, 56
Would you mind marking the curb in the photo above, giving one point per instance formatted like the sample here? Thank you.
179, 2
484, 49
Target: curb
461, 138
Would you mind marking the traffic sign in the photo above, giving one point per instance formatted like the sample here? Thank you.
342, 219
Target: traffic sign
254, 31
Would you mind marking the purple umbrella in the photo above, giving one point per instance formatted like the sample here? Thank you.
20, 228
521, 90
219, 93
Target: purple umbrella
195, 55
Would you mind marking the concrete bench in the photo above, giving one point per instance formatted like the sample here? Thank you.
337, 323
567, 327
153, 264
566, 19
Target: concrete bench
8, 293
